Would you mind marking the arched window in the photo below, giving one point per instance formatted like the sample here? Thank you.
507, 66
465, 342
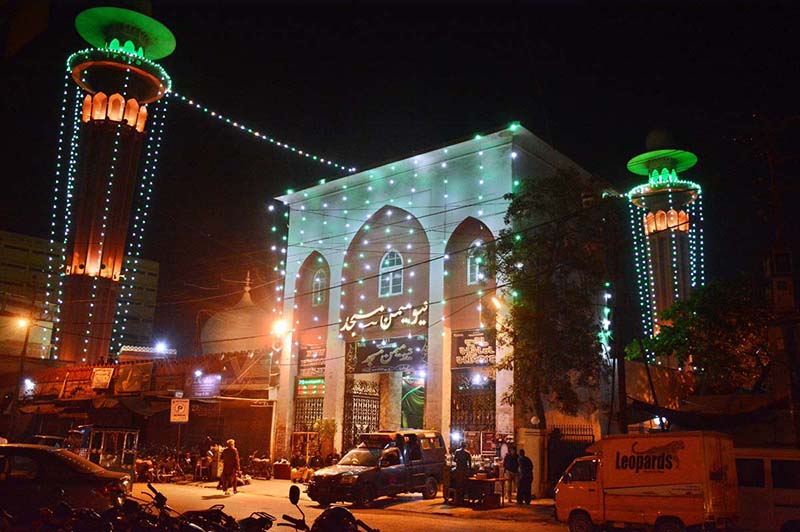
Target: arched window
87, 108
319, 288
141, 119
99, 103
391, 277
131, 112
116, 106
476, 263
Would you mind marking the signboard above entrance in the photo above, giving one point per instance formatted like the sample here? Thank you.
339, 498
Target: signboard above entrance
311, 360
389, 355
471, 348
384, 318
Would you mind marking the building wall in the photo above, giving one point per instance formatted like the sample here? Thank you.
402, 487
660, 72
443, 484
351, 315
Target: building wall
431, 208
24, 262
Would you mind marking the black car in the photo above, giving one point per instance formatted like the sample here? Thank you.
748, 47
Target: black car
383, 463
36, 476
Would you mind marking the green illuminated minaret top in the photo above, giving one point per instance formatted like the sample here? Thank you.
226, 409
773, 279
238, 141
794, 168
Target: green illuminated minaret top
661, 163
125, 45
117, 28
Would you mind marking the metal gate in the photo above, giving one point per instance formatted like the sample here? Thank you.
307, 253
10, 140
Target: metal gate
564, 444
362, 410
473, 403
307, 410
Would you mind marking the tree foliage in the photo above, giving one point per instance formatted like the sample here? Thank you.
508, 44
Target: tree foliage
551, 255
721, 330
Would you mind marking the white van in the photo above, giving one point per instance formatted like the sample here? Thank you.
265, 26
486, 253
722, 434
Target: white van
769, 488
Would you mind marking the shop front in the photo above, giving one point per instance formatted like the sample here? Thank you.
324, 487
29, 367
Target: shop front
473, 391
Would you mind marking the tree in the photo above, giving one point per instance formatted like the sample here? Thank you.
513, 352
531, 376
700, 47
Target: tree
326, 429
552, 258
720, 333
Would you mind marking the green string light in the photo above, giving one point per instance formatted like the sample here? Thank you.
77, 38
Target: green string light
261, 136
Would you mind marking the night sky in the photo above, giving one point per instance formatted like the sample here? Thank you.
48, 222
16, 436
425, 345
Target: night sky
368, 84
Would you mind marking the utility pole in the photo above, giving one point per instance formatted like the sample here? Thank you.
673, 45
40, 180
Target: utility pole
778, 268
27, 323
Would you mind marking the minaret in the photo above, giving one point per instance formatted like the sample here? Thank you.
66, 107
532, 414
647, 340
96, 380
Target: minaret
667, 224
117, 78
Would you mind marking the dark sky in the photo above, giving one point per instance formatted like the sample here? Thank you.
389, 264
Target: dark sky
364, 84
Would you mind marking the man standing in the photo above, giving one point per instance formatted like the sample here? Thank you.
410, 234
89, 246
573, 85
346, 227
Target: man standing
511, 469
230, 467
463, 462
525, 478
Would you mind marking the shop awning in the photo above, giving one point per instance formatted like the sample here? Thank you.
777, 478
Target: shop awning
144, 407
42, 408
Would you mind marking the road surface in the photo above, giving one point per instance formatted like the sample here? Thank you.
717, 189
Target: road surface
407, 513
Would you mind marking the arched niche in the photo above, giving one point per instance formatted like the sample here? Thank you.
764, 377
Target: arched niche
468, 288
99, 105
388, 233
311, 300
131, 112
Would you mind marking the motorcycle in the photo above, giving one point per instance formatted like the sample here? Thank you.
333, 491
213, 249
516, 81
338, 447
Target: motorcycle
334, 519
213, 519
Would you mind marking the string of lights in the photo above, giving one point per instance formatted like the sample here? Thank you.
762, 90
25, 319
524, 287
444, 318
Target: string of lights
261, 136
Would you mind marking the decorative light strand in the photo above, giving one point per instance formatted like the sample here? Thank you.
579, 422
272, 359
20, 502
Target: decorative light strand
70, 189
55, 267
261, 136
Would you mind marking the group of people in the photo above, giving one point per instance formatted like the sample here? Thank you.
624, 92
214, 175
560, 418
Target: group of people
518, 470
518, 474
302, 471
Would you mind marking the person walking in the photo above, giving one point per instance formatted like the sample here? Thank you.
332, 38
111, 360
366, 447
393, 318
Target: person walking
463, 462
511, 470
525, 478
230, 467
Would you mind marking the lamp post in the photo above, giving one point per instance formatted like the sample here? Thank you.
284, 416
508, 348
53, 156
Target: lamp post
27, 323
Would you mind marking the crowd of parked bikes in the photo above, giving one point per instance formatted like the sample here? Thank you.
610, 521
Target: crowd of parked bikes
158, 463
150, 513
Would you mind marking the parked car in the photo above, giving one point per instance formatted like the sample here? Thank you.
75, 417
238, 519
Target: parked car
666, 482
383, 463
769, 480
35, 476
49, 441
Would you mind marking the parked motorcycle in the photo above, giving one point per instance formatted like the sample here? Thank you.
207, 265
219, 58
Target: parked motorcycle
334, 519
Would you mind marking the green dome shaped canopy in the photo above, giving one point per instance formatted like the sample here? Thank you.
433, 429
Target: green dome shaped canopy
99, 26
678, 160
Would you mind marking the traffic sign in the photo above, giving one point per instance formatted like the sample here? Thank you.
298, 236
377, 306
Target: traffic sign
179, 411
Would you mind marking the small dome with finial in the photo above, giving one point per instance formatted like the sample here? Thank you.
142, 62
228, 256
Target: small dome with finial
242, 327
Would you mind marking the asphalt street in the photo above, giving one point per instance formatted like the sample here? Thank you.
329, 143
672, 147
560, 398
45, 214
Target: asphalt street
406, 513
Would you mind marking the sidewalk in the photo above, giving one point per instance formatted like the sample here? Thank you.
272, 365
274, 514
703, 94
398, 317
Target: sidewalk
538, 510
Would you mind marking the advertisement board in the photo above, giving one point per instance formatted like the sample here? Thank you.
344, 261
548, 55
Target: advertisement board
311, 361
133, 378
101, 378
472, 348
388, 355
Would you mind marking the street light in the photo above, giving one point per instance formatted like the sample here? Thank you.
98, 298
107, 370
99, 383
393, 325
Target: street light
280, 327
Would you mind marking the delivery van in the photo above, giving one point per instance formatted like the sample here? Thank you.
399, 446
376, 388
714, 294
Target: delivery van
664, 482
769, 480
